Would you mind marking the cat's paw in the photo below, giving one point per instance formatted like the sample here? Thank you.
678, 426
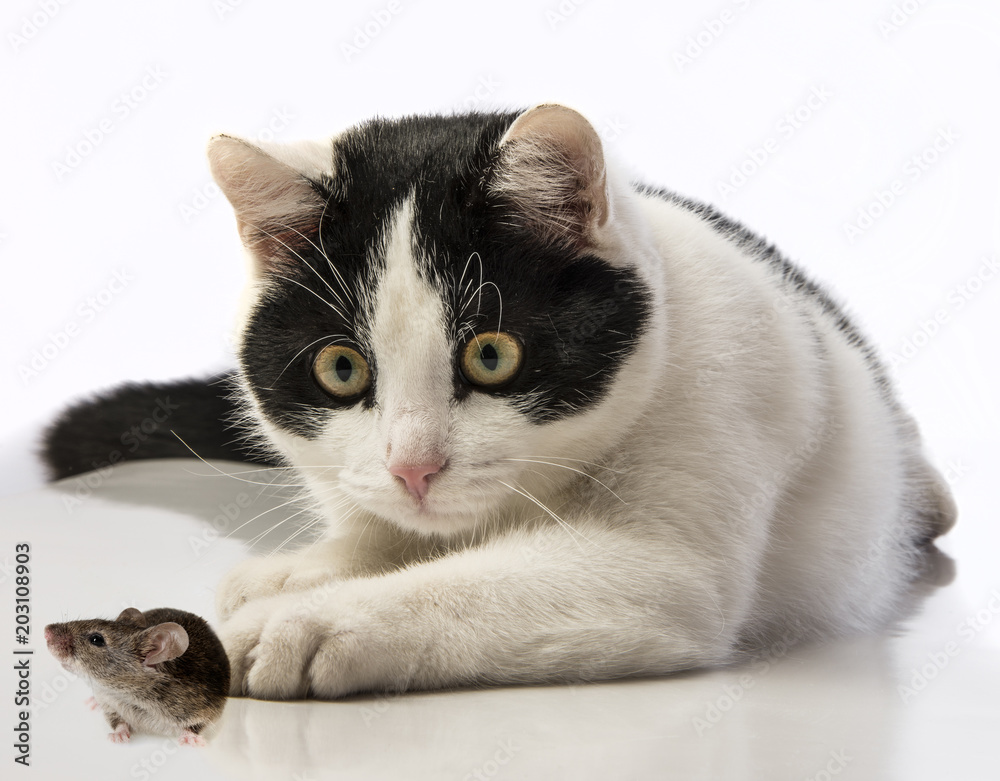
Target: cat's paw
294, 645
257, 578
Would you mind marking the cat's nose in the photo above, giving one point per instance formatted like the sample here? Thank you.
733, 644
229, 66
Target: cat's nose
415, 477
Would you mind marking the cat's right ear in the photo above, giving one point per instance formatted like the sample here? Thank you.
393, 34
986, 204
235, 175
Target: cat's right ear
550, 168
278, 208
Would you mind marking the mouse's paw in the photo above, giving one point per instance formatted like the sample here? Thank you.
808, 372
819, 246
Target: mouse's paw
294, 646
91, 703
121, 734
257, 578
189, 738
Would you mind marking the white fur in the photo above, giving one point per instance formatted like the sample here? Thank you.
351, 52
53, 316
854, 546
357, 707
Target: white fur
735, 485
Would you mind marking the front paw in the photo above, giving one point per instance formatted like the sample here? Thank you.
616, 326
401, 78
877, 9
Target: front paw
121, 734
292, 646
257, 578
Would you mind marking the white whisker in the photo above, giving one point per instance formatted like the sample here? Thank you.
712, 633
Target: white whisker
549, 512
571, 469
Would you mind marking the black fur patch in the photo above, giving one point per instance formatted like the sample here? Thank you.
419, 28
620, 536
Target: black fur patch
577, 317
791, 275
136, 420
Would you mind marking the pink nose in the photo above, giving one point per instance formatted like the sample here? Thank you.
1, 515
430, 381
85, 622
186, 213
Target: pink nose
415, 477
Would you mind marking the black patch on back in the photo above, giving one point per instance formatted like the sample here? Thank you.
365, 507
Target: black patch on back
792, 277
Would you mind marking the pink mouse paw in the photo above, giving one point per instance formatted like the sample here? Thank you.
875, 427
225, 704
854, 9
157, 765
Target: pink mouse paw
189, 738
91, 703
121, 734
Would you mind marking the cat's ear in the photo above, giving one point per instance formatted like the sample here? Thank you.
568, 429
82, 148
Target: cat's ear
550, 168
278, 208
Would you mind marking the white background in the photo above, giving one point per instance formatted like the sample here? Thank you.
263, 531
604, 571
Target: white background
683, 93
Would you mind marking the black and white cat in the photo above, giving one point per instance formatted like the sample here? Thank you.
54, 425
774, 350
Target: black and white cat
559, 427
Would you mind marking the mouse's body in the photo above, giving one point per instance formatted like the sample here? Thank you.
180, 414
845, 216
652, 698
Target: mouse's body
163, 671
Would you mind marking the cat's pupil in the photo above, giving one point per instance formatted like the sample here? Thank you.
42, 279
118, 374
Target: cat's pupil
344, 368
488, 356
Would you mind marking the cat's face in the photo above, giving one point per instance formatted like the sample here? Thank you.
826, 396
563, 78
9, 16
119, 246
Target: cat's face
430, 340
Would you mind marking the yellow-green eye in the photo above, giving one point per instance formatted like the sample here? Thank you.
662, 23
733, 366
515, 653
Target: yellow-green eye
342, 372
491, 359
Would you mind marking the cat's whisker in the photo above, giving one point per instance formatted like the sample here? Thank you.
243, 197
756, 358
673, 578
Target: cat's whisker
309, 265
321, 249
317, 519
336, 311
368, 523
479, 289
222, 473
571, 469
329, 338
326, 256
478, 292
307, 496
274, 468
340, 313
527, 495
465, 268
578, 461
261, 514
301, 530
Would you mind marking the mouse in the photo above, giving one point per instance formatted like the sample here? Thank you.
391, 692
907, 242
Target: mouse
163, 671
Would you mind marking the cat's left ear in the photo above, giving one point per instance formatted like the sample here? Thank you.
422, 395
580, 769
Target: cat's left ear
278, 208
550, 168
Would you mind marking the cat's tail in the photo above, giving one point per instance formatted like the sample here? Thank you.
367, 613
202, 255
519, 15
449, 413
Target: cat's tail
179, 419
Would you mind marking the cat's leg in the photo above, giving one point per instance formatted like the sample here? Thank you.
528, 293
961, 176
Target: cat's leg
549, 606
357, 550
265, 576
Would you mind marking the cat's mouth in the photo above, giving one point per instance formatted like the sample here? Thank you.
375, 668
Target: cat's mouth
448, 505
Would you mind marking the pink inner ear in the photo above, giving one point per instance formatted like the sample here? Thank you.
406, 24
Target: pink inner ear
552, 170
164, 642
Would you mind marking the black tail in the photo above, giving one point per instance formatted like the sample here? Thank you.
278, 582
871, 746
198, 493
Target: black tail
148, 420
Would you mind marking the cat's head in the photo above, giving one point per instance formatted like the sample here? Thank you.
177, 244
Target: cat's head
449, 316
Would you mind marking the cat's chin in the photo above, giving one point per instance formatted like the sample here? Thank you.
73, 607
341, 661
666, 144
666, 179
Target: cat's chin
431, 519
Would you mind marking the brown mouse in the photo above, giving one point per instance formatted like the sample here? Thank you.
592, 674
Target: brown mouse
163, 671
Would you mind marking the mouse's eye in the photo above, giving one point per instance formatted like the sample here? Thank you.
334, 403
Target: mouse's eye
97, 639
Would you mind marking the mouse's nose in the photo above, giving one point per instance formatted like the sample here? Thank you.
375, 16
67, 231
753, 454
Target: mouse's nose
58, 640
415, 477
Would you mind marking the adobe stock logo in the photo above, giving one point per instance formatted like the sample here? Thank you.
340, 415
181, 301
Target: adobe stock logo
86, 312
370, 30
127, 101
885, 198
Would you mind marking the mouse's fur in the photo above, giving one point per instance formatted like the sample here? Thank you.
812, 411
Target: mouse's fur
186, 693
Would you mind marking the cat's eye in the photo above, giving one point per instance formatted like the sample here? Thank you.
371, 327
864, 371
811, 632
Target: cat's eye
97, 639
491, 359
342, 372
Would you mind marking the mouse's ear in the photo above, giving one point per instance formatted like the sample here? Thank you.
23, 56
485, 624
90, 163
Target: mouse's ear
163, 642
131, 615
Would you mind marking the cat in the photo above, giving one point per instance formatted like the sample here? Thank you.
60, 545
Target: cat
559, 426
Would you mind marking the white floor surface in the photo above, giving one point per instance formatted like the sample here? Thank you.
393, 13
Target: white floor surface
918, 703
